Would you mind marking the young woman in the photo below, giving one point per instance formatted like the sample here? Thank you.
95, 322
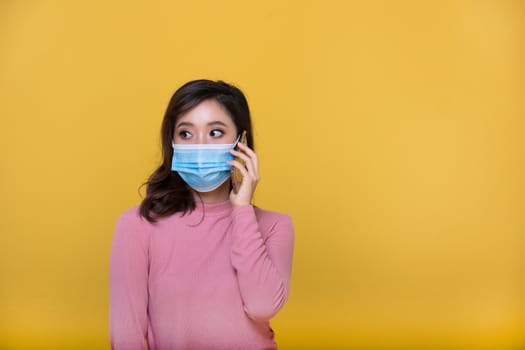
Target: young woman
196, 265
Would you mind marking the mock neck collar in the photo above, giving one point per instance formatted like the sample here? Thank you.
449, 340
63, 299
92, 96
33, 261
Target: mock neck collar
211, 209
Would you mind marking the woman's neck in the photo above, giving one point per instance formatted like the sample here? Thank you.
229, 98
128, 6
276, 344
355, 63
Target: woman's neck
220, 194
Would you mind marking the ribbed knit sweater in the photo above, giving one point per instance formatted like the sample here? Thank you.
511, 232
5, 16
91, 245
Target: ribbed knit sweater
210, 279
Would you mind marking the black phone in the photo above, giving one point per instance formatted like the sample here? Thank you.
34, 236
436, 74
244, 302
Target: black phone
236, 174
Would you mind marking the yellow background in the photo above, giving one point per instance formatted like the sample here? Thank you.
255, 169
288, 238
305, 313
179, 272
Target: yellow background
392, 132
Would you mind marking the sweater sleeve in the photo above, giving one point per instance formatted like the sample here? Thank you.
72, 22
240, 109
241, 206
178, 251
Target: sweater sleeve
128, 284
263, 264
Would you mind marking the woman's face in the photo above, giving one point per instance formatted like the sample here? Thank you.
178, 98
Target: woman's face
208, 122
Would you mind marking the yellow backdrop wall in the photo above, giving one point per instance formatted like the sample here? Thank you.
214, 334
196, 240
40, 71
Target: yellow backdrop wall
391, 131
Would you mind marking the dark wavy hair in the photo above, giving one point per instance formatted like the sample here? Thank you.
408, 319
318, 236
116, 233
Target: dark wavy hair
166, 192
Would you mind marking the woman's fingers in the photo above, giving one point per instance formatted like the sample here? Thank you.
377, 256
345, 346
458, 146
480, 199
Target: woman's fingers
250, 175
250, 164
239, 166
250, 153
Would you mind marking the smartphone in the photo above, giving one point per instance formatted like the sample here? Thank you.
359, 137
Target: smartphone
236, 174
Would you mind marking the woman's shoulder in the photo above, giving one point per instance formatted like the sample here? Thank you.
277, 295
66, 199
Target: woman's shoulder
131, 229
271, 215
132, 216
130, 213
269, 219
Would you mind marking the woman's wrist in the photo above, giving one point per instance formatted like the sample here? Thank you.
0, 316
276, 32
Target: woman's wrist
240, 204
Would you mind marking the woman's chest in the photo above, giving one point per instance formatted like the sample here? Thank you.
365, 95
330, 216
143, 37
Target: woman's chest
195, 255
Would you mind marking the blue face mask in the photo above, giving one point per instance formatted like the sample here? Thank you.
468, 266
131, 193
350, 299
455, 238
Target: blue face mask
202, 166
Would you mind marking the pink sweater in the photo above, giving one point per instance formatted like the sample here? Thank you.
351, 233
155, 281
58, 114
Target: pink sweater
186, 284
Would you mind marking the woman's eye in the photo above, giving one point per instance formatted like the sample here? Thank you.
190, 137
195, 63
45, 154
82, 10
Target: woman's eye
216, 133
185, 134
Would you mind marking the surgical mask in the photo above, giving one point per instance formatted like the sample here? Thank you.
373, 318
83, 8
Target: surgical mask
202, 166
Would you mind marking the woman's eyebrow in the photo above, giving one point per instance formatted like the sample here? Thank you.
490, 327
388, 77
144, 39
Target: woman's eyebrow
183, 124
216, 123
